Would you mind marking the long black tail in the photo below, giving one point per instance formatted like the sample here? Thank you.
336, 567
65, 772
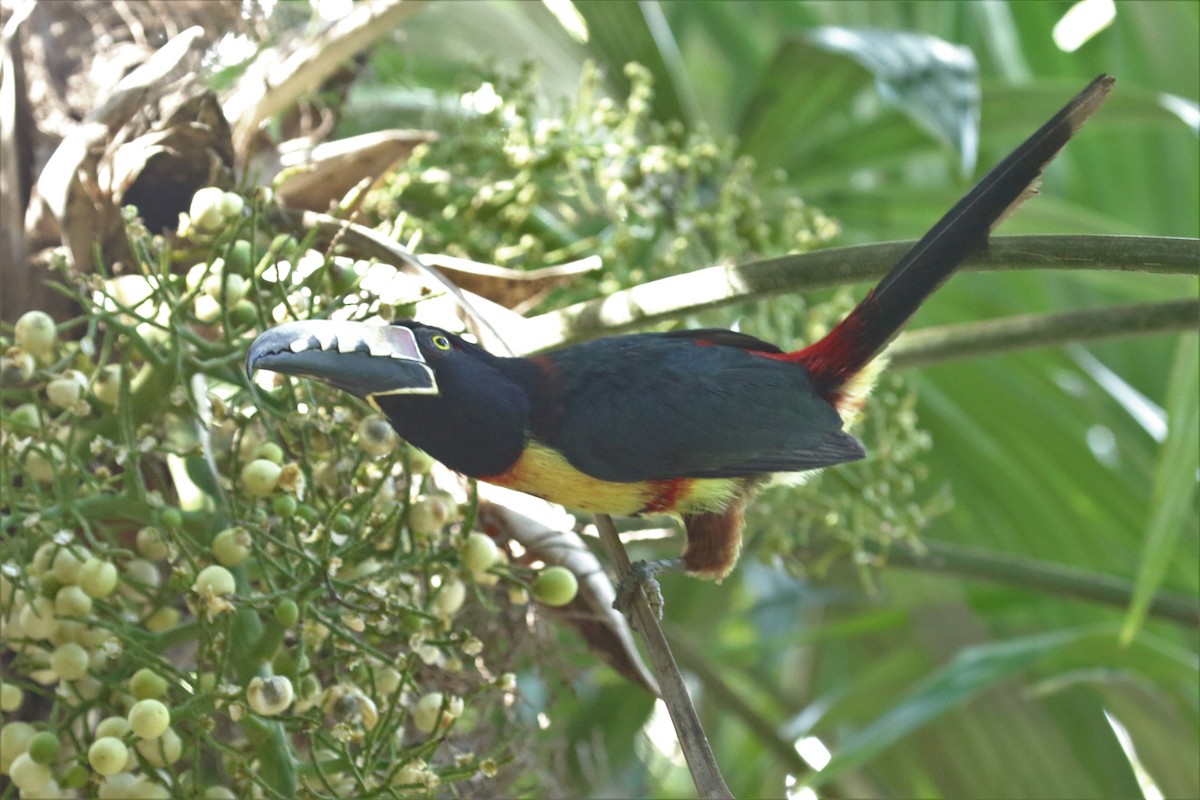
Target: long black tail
857, 339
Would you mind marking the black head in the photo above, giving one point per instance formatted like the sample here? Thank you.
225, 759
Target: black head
453, 399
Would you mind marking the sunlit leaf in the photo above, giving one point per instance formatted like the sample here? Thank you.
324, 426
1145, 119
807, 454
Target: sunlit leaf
1173, 504
973, 670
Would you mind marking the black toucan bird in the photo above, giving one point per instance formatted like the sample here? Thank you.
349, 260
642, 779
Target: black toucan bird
688, 422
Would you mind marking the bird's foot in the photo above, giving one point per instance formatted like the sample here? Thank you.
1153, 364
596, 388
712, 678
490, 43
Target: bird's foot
641, 577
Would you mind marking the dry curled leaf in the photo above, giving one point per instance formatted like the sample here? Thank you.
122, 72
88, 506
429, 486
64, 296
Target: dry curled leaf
157, 138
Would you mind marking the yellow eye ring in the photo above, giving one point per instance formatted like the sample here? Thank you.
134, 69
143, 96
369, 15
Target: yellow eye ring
440, 342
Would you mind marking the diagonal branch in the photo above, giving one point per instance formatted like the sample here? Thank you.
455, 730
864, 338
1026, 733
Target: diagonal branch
716, 287
948, 342
1031, 573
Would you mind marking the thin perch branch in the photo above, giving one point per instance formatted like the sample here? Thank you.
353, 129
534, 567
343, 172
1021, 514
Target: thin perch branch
692, 739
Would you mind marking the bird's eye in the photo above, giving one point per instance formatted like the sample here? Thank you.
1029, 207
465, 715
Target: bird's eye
440, 342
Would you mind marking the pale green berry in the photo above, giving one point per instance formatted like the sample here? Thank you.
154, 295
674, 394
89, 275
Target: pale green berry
38, 466
215, 580
270, 696
218, 793
141, 578
106, 384
449, 598
428, 713
14, 740
28, 775
207, 308
44, 748
162, 751
207, 210
310, 690
149, 719
35, 333
25, 418
376, 436
270, 451
232, 546
108, 755
260, 477
148, 790
162, 619
75, 776
287, 612
86, 688
16, 368
66, 565
427, 515
11, 697
235, 287
69, 661
419, 462
232, 204
37, 618
240, 254
116, 727
119, 786
285, 505
146, 684
153, 544
479, 552
555, 586
72, 601
43, 558
388, 681
65, 391
67, 630
97, 578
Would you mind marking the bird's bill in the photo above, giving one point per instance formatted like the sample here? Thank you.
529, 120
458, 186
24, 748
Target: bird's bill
365, 360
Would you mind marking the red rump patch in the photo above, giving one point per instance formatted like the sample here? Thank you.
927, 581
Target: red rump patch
837, 357
667, 494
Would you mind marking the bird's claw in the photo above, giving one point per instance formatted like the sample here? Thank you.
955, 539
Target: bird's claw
641, 576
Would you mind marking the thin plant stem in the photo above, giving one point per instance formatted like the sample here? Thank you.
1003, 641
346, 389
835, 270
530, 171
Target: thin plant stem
692, 739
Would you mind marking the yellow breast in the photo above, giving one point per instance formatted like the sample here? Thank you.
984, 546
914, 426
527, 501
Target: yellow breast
544, 472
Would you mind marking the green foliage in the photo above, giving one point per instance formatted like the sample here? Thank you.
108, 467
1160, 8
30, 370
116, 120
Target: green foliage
919, 682
1012, 436
511, 183
239, 559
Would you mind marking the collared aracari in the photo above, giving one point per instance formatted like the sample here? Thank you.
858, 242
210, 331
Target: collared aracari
687, 423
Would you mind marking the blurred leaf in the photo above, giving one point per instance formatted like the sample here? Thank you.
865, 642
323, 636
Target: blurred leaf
1173, 502
804, 91
802, 110
625, 32
970, 672
933, 81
